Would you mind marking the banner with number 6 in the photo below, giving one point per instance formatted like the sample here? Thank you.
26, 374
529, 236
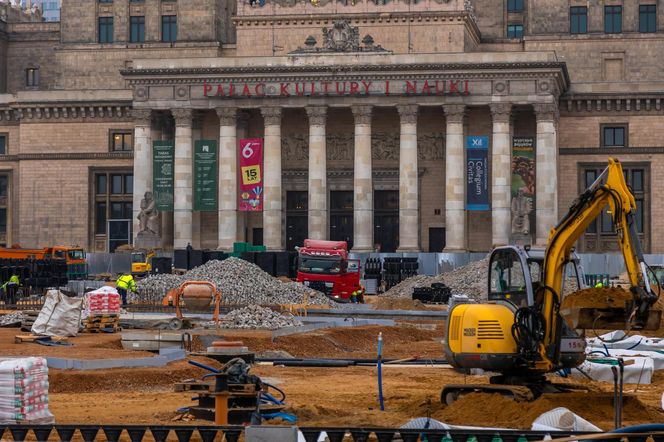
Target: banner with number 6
251, 175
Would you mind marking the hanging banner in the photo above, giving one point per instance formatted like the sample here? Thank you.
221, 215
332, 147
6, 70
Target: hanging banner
251, 175
477, 173
523, 186
205, 176
163, 159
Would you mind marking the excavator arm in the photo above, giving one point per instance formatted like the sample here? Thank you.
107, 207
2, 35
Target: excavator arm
609, 191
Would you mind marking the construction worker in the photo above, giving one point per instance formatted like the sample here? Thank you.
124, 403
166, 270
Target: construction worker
599, 285
123, 283
357, 297
10, 288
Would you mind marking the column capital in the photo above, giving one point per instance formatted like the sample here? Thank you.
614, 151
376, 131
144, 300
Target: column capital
501, 112
227, 115
546, 111
271, 116
317, 115
182, 117
362, 114
408, 113
454, 113
142, 117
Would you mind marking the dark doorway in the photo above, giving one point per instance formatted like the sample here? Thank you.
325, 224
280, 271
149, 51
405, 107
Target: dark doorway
297, 222
341, 216
436, 239
257, 236
386, 220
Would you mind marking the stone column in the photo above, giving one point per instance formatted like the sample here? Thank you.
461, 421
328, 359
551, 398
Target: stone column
455, 179
182, 214
501, 174
318, 217
242, 131
363, 222
546, 172
196, 134
272, 235
408, 181
227, 177
142, 162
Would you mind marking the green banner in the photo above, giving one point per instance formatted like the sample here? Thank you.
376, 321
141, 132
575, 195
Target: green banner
163, 167
205, 175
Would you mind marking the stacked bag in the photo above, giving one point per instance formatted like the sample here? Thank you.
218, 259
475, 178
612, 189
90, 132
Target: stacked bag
24, 392
102, 310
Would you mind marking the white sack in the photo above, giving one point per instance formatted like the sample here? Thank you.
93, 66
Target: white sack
562, 419
640, 372
657, 356
60, 315
633, 342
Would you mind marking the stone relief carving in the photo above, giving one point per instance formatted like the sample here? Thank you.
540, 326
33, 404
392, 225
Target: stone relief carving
384, 146
521, 208
341, 37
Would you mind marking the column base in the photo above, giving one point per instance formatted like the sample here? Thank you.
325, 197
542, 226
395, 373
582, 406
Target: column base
408, 250
225, 249
363, 250
454, 250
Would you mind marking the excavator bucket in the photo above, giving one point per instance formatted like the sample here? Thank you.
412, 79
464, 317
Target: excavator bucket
606, 308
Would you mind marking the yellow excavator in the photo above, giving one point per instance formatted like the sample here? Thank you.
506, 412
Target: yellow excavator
520, 333
141, 262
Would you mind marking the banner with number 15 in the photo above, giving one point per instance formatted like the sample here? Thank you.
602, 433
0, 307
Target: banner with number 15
251, 175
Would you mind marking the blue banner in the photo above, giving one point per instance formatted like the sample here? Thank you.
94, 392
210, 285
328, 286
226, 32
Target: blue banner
477, 173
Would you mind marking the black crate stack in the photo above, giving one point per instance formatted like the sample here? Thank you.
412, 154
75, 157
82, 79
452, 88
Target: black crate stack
372, 275
437, 293
37, 274
397, 269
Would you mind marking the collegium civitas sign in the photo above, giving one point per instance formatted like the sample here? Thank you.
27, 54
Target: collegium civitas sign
418, 87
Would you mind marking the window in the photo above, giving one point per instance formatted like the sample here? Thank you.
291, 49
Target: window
113, 197
514, 5
600, 234
105, 29
105, 1
578, 20
515, 31
169, 28
122, 141
3, 144
32, 77
612, 19
137, 29
647, 18
614, 136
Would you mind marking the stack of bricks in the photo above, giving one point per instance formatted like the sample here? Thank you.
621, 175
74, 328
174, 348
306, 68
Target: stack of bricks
104, 313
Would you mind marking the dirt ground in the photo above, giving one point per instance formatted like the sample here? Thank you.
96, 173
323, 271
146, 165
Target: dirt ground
319, 396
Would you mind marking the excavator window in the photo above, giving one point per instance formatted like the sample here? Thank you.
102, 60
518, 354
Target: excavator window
508, 281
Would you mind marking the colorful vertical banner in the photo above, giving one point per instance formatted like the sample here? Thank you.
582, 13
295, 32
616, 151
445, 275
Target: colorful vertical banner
163, 168
477, 173
523, 185
205, 176
251, 175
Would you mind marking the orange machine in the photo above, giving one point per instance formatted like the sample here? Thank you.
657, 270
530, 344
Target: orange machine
196, 294
74, 256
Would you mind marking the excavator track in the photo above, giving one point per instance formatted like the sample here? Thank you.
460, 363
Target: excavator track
453, 392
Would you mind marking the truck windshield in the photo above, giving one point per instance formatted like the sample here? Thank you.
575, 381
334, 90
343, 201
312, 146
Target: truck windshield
320, 265
75, 254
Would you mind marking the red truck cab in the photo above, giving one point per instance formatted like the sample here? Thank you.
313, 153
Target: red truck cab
324, 266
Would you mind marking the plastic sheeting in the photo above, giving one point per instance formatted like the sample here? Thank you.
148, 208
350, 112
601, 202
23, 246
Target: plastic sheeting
562, 419
60, 315
657, 356
24, 392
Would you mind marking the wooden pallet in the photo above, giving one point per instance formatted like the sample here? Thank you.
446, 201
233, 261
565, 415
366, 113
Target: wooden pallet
20, 339
208, 387
104, 330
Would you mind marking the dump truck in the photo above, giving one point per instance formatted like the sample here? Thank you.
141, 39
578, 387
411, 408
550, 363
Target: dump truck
77, 267
324, 266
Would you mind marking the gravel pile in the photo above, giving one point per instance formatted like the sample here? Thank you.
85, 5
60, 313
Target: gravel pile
239, 281
255, 317
469, 280
12, 318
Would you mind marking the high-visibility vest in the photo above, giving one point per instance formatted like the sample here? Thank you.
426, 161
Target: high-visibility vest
125, 282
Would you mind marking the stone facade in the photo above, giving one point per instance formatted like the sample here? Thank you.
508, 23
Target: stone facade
365, 110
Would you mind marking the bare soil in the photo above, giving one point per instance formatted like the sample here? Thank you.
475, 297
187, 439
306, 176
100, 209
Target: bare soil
320, 396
